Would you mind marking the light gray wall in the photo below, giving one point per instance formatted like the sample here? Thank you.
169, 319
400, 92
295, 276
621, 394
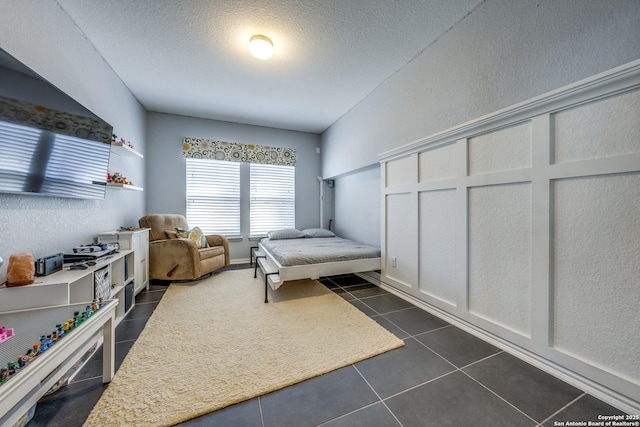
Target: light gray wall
166, 168
504, 52
42, 36
357, 208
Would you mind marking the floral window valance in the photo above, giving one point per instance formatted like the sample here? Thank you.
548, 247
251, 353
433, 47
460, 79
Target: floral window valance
62, 122
201, 148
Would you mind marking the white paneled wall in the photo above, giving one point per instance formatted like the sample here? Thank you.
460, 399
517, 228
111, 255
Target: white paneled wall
437, 240
499, 271
504, 149
402, 247
524, 227
610, 127
596, 311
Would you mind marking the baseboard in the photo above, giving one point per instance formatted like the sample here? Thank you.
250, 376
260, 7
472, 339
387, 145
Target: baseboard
588, 386
371, 276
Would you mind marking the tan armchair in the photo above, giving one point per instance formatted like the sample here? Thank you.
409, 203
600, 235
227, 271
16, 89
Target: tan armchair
178, 258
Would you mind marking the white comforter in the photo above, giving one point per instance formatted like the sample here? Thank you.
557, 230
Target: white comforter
302, 251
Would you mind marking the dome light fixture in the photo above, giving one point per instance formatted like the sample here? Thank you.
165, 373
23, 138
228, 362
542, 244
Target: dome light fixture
261, 46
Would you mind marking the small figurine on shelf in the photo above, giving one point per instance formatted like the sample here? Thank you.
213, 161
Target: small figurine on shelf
115, 140
22, 360
118, 178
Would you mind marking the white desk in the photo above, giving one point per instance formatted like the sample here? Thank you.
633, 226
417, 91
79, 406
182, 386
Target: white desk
27, 386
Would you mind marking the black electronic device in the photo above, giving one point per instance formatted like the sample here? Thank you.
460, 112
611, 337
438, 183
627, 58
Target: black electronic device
50, 145
88, 248
109, 247
49, 264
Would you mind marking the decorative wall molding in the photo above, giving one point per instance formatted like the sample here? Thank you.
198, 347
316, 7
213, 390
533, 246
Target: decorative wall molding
611, 82
520, 226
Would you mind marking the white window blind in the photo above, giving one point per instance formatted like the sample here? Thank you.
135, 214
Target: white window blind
17, 145
272, 198
44, 162
213, 196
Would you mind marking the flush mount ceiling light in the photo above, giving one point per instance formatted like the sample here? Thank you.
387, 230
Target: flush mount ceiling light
261, 46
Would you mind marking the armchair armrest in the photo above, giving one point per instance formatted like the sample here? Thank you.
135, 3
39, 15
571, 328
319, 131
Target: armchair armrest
173, 258
217, 240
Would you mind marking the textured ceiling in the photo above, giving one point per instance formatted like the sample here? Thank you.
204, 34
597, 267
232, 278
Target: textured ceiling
191, 57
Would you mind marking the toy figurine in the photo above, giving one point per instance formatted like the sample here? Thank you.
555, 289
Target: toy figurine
46, 341
23, 360
11, 366
5, 333
115, 140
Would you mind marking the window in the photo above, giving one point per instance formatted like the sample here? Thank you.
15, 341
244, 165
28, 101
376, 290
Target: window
213, 196
272, 198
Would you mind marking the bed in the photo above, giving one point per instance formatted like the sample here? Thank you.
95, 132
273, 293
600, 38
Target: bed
309, 254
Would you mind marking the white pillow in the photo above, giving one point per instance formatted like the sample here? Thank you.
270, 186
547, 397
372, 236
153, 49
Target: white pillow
318, 232
285, 233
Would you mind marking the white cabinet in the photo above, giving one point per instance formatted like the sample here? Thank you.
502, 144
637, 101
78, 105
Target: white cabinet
138, 242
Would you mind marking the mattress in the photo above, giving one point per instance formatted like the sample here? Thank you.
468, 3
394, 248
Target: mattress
304, 251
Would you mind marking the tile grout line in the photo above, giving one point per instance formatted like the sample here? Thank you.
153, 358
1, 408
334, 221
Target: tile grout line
563, 408
350, 412
457, 369
260, 409
376, 393
420, 385
460, 369
388, 312
500, 397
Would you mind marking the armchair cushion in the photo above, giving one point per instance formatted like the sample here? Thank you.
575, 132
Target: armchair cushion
194, 234
206, 253
158, 223
171, 234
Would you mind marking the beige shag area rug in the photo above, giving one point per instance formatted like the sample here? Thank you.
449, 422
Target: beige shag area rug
213, 343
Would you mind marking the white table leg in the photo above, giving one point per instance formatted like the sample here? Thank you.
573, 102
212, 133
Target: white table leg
108, 350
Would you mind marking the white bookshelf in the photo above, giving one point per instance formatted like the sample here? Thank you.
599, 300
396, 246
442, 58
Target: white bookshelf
72, 286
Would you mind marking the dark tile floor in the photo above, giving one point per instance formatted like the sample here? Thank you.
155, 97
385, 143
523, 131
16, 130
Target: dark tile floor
442, 376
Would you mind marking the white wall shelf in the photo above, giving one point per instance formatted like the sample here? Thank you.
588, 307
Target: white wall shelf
124, 186
124, 150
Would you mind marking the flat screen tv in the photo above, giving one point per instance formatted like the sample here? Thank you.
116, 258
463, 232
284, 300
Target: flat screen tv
50, 145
